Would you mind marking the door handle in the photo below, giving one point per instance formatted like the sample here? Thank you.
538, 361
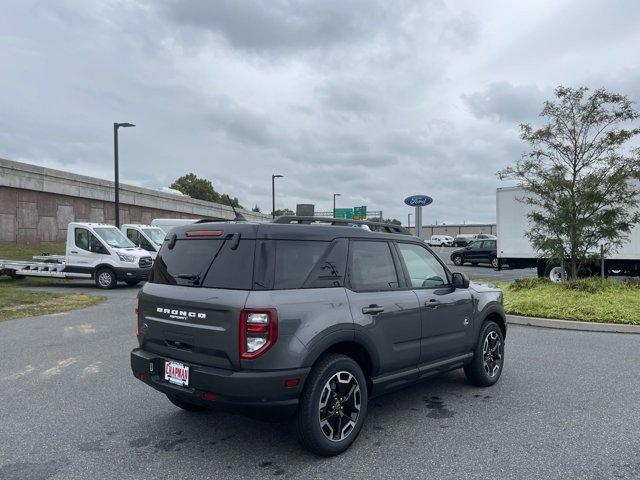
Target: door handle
74, 251
372, 310
432, 304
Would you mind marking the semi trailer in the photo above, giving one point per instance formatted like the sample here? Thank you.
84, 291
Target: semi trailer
515, 250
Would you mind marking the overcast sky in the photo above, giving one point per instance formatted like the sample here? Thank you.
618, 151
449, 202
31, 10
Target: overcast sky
373, 100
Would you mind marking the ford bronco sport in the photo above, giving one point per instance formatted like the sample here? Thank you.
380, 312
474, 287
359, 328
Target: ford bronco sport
309, 320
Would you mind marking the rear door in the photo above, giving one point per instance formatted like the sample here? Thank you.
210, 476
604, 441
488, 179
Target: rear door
190, 308
382, 306
446, 312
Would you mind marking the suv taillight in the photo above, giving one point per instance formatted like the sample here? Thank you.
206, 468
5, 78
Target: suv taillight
258, 331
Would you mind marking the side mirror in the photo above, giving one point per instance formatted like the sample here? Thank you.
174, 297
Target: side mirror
460, 280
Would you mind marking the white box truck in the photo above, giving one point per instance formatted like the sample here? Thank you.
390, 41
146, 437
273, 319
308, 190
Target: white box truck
515, 250
94, 251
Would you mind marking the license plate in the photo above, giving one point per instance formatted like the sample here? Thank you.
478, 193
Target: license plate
176, 373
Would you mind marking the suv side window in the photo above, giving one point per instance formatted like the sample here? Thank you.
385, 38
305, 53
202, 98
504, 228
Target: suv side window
425, 271
475, 245
489, 245
371, 266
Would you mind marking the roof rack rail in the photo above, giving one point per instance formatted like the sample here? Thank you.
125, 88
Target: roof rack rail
212, 219
374, 226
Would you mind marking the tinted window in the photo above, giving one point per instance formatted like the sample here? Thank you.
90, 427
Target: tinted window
475, 245
205, 262
489, 245
371, 266
424, 269
294, 261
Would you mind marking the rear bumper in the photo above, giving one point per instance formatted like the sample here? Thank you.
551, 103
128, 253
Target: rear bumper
132, 274
254, 393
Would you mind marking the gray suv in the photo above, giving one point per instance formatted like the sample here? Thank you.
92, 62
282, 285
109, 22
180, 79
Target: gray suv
308, 320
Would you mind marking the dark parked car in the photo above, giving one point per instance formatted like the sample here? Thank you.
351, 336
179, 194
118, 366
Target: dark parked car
309, 320
463, 240
478, 251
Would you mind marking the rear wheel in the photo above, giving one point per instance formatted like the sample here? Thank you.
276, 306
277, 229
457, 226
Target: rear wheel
457, 260
106, 278
14, 276
185, 405
554, 273
488, 357
333, 406
494, 262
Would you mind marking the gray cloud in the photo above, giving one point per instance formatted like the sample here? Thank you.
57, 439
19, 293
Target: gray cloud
506, 102
283, 25
373, 100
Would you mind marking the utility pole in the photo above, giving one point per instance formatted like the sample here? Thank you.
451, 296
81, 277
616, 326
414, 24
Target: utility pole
116, 126
273, 194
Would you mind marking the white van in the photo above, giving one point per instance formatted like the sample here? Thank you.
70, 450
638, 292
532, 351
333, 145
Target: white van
441, 241
147, 237
94, 251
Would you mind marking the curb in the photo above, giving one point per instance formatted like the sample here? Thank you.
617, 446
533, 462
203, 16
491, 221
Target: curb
573, 325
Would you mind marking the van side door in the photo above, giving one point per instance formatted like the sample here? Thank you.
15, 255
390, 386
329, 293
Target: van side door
384, 310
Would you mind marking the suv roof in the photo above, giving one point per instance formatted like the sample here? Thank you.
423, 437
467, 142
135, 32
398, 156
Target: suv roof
278, 230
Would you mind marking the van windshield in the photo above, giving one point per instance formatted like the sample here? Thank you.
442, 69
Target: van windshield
113, 237
156, 235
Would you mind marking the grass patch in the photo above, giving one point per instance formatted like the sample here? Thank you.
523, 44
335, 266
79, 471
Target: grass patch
26, 252
16, 302
589, 300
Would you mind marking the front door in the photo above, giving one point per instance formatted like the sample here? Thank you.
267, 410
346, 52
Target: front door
446, 312
383, 309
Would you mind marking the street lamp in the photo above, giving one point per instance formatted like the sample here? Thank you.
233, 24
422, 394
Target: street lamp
273, 194
116, 126
334, 203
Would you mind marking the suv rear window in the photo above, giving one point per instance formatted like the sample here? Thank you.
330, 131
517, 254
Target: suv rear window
206, 262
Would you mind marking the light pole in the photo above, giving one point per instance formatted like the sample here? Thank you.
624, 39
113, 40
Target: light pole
116, 126
334, 203
273, 194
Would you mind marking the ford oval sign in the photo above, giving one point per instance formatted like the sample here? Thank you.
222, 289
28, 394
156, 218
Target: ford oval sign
418, 200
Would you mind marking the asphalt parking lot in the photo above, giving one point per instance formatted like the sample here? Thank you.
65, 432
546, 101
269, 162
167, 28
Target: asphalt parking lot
483, 271
566, 407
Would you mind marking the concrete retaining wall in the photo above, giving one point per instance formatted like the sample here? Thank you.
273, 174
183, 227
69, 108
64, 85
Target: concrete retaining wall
37, 203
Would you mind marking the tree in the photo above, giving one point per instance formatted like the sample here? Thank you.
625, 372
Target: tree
284, 211
256, 209
579, 175
393, 221
202, 189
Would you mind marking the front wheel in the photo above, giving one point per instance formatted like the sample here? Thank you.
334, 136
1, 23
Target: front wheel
106, 278
333, 406
494, 262
457, 260
488, 357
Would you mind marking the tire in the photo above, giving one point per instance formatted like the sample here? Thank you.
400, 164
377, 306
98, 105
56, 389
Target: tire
14, 276
132, 283
458, 261
185, 405
106, 278
553, 272
484, 371
494, 262
333, 377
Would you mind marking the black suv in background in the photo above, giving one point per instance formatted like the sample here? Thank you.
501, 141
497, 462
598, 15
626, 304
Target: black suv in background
308, 320
476, 252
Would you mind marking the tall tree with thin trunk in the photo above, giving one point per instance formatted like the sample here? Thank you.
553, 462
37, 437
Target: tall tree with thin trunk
581, 176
